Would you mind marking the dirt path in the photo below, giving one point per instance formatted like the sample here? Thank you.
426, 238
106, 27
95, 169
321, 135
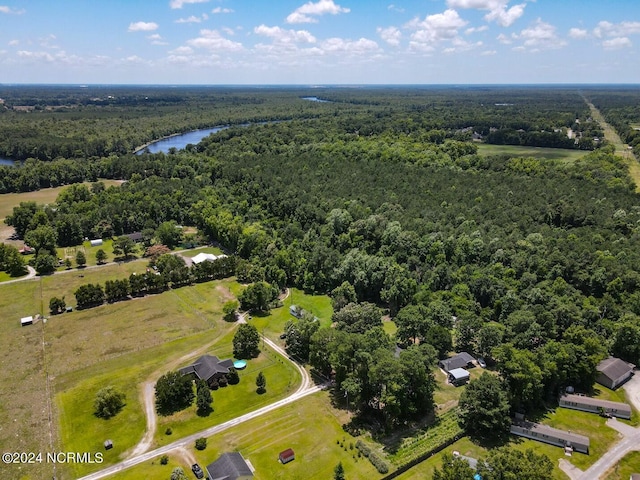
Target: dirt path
147, 396
621, 148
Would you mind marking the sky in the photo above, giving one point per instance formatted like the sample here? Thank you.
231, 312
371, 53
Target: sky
319, 42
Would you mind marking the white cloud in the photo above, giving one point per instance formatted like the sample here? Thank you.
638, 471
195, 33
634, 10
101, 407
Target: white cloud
13, 43
391, 35
305, 13
503, 39
11, 11
539, 36
395, 8
616, 43
156, 39
622, 29
221, 10
228, 31
182, 51
213, 40
471, 30
143, 26
578, 33
285, 36
498, 10
435, 29
340, 45
487, 53
193, 19
180, 3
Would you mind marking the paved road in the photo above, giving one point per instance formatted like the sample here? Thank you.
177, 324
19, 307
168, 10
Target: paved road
306, 388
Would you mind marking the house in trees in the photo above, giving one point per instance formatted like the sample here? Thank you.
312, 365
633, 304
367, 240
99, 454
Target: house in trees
230, 466
613, 372
553, 436
208, 368
206, 257
458, 376
595, 405
461, 360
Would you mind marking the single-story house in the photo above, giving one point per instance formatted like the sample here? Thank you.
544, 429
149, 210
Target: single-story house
613, 372
553, 436
206, 257
230, 466
461, 360
595, 405
296, 311
287, 456
26, 321
95, 243
458, 376
208, 368
135, 236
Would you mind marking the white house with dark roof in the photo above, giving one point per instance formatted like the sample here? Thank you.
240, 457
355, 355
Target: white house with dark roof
230, 466
553, 436
613, 372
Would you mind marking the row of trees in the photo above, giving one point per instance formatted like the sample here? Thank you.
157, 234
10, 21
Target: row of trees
171, 273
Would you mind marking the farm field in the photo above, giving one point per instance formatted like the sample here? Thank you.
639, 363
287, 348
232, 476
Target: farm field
564, 155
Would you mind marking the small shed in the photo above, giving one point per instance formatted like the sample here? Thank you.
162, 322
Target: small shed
287, 456
296, 311
613, 372
26, 321
96, 243
108, 444
458, 376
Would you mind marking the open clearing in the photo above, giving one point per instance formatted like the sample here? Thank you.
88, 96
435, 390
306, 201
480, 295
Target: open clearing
562, 154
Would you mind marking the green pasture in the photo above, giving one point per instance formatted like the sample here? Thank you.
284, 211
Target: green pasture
311, 427
561, 154
272, 324
234, 400
196, 251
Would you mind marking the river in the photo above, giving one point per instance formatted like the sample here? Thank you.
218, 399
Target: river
178, 141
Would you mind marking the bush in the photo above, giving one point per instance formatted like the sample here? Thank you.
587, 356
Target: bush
108, 402
168, 431
376, 461
164, 459
201, 443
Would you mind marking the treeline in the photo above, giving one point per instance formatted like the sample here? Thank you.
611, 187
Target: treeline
621, 108
168, 271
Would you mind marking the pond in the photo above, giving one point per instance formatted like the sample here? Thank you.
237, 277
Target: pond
7, 161
315, 99
178, 141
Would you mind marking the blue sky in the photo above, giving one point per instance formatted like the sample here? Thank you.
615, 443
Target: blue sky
319, 41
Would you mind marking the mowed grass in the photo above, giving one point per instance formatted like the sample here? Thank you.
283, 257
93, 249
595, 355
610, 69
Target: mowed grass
311, 427
234, 400
623, 470
196, 251
272, 325
561, 154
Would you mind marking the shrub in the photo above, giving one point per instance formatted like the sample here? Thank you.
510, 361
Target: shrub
164, 459
201, 443
168, 431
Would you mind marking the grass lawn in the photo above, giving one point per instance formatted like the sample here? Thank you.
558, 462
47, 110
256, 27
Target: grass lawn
272, 325
446, 395
311, 427
628, 465
196, 251
234, 400
562, 154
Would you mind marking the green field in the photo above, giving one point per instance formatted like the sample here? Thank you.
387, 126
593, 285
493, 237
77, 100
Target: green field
623, 470
565, 155
310, 426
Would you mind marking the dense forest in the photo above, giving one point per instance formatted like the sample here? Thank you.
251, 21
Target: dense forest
381, 198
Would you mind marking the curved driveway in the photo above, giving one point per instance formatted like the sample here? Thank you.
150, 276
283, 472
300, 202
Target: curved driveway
306, 388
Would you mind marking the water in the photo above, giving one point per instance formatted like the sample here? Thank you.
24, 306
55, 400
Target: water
179, 141
315, 99
7, 161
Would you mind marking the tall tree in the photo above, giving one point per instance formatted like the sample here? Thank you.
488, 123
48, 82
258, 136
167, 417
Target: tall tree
453, 468
174, 392
246, 341
484, 407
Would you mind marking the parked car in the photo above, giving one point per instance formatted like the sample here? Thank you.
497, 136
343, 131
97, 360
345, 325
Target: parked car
197, 471
481, 362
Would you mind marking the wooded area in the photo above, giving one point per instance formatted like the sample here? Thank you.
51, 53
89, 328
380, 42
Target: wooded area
380, 197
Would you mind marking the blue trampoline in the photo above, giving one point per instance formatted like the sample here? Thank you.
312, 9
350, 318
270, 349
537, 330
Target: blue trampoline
239, 364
